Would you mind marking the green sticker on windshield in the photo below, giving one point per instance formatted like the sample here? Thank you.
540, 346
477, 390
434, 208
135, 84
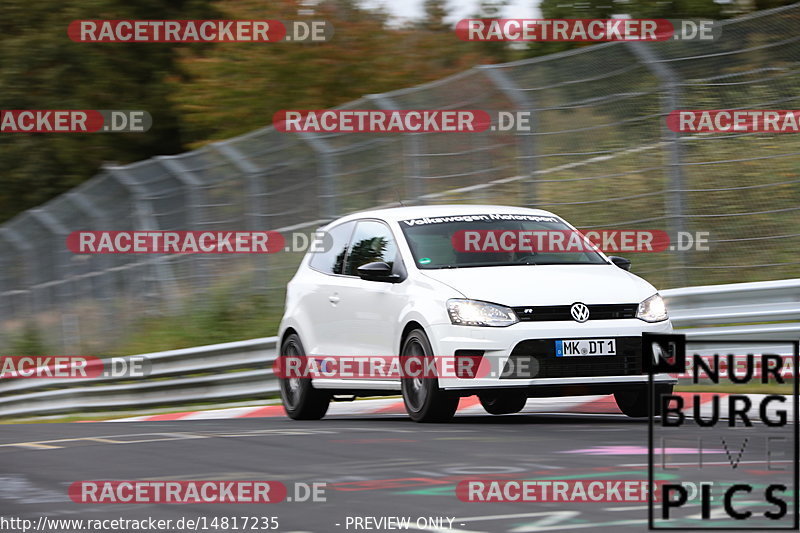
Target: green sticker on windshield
424, 260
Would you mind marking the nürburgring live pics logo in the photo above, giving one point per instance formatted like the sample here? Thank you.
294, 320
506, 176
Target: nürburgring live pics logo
739, 473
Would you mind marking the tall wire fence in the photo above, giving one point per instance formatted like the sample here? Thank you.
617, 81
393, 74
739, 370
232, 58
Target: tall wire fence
599, 154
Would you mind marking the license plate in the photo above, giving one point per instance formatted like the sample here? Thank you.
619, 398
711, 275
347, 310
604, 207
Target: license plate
581, 347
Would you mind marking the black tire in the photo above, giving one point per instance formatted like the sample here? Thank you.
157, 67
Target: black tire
424, 400
633, 403
300, 399
503, 402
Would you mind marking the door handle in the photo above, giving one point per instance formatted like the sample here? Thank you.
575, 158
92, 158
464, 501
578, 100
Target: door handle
333, 299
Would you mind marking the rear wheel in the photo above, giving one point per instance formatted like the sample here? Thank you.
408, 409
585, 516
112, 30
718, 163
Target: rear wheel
634, 402
300, 399
424, 400
503, 402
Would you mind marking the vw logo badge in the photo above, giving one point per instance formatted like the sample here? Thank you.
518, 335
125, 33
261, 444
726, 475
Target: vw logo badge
579, 312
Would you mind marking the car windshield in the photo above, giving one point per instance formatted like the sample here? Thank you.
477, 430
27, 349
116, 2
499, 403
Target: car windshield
483, 240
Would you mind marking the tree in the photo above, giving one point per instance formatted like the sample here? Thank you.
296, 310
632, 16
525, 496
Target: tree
493, 9
42, 69
233, 88
602, 9
668, 9
435, 19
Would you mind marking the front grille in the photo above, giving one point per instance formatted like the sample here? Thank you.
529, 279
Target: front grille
544, 313
536, 358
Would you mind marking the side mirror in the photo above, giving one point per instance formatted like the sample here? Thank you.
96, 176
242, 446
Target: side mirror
624, 264
377, 271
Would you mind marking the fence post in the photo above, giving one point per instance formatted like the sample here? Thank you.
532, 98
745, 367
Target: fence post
61, 272
25, 250
6, 295
411, 151
674, 199
526, 145
327, 165
253, 176
105, 284
98, 220
143, 214
255, 205
191, 185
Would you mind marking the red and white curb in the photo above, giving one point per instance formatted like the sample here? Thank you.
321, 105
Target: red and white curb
470, 405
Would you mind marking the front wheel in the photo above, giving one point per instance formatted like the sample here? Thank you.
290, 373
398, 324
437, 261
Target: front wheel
503, 403
424, 400
300, 399
634, 402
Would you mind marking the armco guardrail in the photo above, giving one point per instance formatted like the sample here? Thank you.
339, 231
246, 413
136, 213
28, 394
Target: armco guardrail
758, 311
218, 372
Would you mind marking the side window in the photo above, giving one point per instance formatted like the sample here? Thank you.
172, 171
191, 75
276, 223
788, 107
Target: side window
372, 241
332, 261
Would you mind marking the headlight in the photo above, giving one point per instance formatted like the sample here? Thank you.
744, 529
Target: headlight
475, 313
653, 309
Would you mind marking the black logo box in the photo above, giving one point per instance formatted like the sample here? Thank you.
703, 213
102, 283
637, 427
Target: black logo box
679, 365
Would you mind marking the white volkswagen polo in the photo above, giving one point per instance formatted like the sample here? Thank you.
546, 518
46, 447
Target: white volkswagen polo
396, 282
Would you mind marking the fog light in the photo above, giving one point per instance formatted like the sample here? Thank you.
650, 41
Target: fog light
467, 363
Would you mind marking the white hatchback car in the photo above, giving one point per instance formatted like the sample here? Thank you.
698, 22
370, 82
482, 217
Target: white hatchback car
393, 284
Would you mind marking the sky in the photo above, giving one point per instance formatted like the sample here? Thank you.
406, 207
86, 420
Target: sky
410, 9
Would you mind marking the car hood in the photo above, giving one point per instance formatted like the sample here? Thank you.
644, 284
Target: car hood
545, 284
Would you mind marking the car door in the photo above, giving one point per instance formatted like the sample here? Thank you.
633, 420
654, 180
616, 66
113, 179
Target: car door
371, 308
322, 296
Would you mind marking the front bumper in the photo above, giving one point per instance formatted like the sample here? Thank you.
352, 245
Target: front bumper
497, 345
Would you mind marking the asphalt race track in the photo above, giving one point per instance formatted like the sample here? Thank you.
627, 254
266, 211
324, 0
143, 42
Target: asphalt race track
379, 465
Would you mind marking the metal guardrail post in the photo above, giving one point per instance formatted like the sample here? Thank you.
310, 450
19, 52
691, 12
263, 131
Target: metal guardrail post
411, 151
6, 309
104, 292
21, 245
670, 101
328, 171
526, 145
190, 183
143, 214
193, 204
98, 221
25, 250
62, 271
257, 202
